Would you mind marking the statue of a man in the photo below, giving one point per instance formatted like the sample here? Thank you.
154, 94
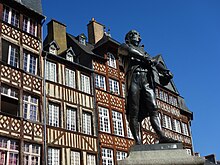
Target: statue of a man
140, 99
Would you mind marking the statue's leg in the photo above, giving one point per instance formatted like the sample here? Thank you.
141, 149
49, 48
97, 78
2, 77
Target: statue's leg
150, 101
133, 107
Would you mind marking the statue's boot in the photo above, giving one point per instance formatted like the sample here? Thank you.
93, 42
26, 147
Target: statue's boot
156, 126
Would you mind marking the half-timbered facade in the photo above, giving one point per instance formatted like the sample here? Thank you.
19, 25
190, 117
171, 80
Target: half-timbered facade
71, 128
114, 134
21, 131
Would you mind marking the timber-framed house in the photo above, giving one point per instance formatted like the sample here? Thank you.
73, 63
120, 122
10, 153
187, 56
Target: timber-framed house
71, 126
21, 130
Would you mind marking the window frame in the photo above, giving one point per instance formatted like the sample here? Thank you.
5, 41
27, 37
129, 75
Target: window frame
30, 154
114, 86
73, 116
107, 156
69, 73
117, 120
54, 115
28, 25
111, 60
10, 15
86, 126
33, 70
53, 154
104, 127
75, 157
100, 81
51, 76
85, 83
29, 102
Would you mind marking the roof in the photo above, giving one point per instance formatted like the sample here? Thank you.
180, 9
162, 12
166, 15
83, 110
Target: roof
104, 40
34, 5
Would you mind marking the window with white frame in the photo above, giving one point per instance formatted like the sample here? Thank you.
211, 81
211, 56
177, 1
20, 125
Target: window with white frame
9, 152
53, 115
69, 57
188, 151
91, 159
185, 129
107, 156
104, 121
82, 40
100, 82
71, 119
9, 92
121, 155
123, 90
30, 63
30, 107
85, 83
87, 123
10, 16
176, 126
70, 78
53, 156
53, 50
114, 86
117, 123
51, 71
111, 60
167, 122
30, 26
75, 158
31, 154
13, 56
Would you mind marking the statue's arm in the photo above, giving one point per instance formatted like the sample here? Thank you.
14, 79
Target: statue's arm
161, 69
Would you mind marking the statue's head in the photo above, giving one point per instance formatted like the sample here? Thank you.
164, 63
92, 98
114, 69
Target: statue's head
133, 37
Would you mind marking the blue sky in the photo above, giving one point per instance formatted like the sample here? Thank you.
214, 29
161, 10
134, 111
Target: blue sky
186, 33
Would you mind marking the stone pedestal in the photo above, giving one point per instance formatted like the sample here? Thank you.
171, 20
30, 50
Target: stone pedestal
160, 154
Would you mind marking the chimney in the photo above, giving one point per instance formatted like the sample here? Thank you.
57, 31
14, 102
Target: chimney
95, 31
57, 32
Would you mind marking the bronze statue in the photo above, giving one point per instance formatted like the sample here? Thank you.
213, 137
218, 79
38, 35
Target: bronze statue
140, 99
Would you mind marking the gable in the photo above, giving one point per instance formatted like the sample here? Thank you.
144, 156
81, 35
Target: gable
171, 85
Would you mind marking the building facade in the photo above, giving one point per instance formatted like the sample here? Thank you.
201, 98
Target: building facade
79, 85
21, 130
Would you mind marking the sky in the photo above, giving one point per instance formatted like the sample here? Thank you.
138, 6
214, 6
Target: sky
185, 32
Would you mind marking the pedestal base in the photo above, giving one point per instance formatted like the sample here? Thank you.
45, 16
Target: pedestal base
160, 154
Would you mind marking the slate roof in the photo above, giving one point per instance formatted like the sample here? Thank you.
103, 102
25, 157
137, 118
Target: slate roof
34, 5
104, 40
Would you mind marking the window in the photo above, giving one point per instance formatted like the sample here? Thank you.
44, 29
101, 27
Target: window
117, 123
82, 40
111, 60
188, 151
114, 86
53, 117
176, 126
30, 63
69, 57
123, 90
53, 50
167, 122
87, 123
75, 158
121, 155
71, 119
185, 129
107, 156
10, 16
104, 120
31, 154
30, 26
70, 78
53, 156
9, 152
13, 56
9, 100
85, 83
51, 71
91, 160
30, 107
100, 82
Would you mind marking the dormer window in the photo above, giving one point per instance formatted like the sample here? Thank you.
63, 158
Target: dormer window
52, 50
70, 54
82, 39
69, 57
